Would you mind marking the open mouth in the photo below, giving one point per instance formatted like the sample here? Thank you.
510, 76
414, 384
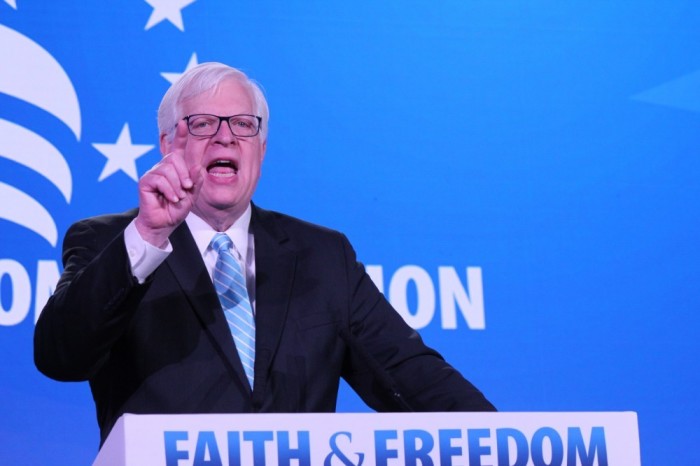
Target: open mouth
223, 167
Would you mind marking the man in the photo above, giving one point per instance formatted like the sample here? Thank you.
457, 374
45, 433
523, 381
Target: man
137, 314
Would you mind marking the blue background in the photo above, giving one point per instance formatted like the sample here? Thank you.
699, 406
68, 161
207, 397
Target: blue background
552, 144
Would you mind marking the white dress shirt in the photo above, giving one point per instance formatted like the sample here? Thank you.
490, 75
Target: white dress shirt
145, 258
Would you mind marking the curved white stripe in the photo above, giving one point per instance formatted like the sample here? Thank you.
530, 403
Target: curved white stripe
36, 153
31, 74
19, 208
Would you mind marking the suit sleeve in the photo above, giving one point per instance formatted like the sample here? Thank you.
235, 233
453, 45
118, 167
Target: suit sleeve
388, 364
91, 306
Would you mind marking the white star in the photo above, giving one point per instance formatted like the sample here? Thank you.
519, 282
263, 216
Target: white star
122, 155
172, 77
167, 9
12, 3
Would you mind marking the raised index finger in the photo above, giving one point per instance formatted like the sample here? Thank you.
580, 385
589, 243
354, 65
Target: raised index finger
180, 139
177, 150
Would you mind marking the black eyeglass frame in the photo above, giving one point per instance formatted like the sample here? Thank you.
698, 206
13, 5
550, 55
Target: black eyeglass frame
228, 122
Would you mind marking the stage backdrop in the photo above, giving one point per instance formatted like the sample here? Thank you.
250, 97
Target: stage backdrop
521, 177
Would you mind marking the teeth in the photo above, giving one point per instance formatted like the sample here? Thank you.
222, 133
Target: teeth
221, 163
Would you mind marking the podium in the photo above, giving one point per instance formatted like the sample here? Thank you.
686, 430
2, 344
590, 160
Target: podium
495, 439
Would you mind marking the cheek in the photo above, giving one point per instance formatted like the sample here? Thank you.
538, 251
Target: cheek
194, 156
254, 164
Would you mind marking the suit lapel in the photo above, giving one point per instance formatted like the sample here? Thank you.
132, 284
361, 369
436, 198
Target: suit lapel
275, 264
187, 266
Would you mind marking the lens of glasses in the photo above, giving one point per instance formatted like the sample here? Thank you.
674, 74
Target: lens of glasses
207, 125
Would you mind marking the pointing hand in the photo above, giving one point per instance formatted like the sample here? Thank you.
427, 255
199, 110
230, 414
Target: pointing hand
167, 192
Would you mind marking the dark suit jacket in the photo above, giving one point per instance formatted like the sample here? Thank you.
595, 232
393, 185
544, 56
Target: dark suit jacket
164, 346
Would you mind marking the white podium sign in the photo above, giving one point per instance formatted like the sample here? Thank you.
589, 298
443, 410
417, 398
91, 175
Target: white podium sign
343, 439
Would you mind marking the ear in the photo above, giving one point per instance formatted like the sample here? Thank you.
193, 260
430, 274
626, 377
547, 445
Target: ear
263, 150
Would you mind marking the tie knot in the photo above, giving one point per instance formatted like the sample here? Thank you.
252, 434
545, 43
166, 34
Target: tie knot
221, 241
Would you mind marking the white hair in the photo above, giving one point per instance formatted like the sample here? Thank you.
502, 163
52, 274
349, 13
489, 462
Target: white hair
202, 78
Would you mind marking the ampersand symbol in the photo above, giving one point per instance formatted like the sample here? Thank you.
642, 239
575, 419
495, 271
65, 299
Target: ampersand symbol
337, 453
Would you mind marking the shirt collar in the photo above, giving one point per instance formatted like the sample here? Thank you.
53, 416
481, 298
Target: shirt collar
203, 233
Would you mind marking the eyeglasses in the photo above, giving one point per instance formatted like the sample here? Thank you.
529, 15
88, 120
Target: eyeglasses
206, 125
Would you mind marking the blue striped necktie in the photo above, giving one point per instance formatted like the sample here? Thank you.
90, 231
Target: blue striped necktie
230, 284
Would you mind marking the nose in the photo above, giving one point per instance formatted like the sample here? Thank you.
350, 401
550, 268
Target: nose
224, 135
